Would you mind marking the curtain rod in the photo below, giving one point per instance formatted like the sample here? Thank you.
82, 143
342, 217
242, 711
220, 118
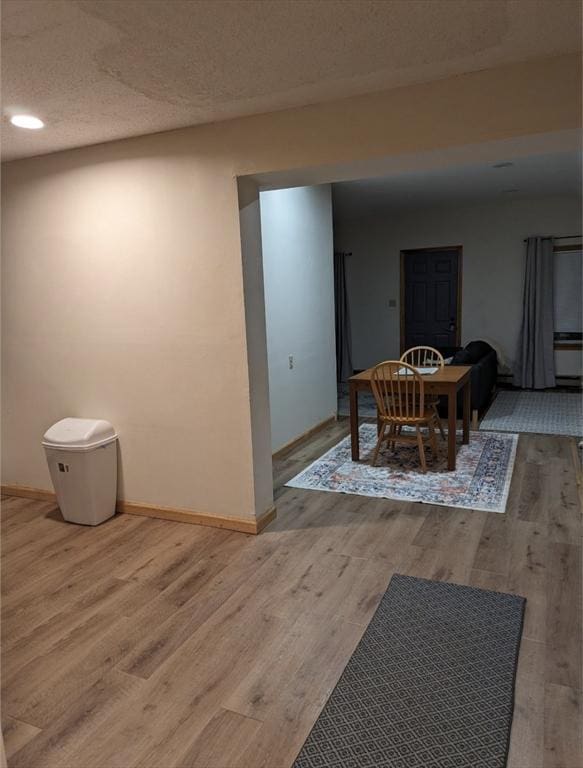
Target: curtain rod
552, 237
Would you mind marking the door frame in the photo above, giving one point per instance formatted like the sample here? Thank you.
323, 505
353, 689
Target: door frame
411, 251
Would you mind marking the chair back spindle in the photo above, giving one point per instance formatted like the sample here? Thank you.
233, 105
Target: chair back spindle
423, 357
398, 390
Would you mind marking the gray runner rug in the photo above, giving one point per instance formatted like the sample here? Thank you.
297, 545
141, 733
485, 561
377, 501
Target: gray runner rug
545, 413
430, 684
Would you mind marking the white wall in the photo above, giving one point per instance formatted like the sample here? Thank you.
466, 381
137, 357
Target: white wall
493, 257
296, 233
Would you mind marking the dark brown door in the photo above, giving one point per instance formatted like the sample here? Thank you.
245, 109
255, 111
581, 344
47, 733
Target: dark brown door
430, 306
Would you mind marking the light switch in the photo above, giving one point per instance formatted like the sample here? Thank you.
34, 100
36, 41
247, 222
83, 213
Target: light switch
291, 362
392, 303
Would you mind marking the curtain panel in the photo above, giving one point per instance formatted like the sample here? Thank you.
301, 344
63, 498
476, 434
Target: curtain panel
343, 331
535, 359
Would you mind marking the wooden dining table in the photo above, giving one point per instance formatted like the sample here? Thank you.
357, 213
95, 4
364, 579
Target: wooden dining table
445, 381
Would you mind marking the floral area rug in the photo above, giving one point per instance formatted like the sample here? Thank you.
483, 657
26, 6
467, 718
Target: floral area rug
481, 480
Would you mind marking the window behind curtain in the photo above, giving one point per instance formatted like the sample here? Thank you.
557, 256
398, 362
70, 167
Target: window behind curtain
568, 278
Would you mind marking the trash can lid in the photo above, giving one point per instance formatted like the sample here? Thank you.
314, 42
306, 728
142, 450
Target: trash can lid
79, 434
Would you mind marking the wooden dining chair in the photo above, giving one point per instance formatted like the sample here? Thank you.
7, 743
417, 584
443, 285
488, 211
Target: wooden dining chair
427, 357
399, 393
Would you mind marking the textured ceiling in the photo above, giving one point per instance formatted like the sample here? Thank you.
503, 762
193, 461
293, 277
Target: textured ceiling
97, 70
527, 177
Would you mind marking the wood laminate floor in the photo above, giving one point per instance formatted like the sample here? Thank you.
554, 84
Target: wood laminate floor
151, 644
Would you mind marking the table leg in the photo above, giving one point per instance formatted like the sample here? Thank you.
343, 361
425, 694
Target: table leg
467, 409
354, 441
451, 425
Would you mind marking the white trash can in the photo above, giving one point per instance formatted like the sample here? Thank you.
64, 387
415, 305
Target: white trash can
82, 459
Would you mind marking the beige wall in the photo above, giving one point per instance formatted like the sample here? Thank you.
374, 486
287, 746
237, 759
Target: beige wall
123, 279
123, 300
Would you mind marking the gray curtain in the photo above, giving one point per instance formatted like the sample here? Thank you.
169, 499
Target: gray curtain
343, 333
535, 361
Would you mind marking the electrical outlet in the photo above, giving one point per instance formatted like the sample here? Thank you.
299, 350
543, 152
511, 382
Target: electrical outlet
291, 362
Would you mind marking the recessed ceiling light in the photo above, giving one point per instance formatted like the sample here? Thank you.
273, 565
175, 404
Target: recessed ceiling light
505, 164
27, 121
